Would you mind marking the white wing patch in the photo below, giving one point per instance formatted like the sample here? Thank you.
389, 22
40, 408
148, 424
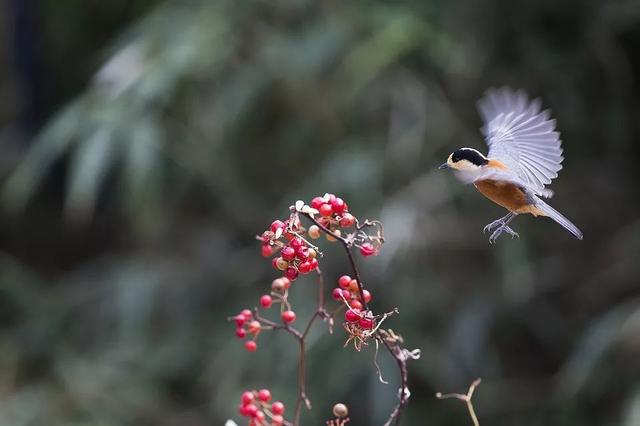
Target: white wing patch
522, 137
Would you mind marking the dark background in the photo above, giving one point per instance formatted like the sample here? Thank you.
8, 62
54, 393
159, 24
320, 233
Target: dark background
145, 143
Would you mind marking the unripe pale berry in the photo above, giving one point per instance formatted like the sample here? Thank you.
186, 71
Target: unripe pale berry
266, 301
353, 286
277, 408
250, 345
314, 232
312, 253
340, 410
337, 233
253, 327
277, 420
278, 285
355, 304
281, 264
288, 317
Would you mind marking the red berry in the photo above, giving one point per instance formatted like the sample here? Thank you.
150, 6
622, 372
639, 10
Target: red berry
266, 301
366, 323
352, 315
355, 304
277, 408
247, 398
347, 220
367, 249
367, 296
346, 294
344, 281
267, 250
302, 252
288, 253
242, 409
325, 210
305, 267
259, 418
288, 317
296, 242
247, 313
314, 263
240, 320
250, 345
337, 294
241, 332
291, 273
317, 202
276, 224
274, 262
264, 395
338, 205
251, 410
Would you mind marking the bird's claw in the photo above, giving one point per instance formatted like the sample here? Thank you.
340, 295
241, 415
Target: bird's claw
502, 228
495, 223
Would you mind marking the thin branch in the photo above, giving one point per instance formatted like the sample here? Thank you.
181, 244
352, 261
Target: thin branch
467, 399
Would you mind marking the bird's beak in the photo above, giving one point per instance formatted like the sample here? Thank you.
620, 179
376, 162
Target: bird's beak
443, 166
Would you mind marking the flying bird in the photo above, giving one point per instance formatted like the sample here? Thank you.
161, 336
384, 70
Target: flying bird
525, 154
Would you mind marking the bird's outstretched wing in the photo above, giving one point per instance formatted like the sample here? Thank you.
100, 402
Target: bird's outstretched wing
522, 137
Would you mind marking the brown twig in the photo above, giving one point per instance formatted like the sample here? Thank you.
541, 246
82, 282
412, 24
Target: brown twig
466, 398
391, 342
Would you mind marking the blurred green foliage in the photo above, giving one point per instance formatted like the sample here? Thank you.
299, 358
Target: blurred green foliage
178, 130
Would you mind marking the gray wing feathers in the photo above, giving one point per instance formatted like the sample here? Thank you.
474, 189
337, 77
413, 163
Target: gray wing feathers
522, 137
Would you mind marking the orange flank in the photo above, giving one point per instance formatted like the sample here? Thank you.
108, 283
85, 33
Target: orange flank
497, 165
508, 195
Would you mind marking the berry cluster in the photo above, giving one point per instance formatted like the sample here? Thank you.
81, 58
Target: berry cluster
246, 325
348, 292
257, 407
296, 255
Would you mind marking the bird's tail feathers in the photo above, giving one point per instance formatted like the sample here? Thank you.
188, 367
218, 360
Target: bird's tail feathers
555, 215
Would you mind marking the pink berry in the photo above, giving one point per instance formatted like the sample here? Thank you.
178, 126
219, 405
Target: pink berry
367, 296
247, 313
338, 205
288, 253
251, 410
276, 224
352, 315
367, 249
241, 332
347, 220
250, 345
264, 395
277, 408
366, 323
240, 320
247, 398
267, 250
288, 317
296, 243
337, 294
355, 304
291, 273
317, 202
325, 210
314, 263
344, 281
266, 301
305, 267
277, 420
259, 418
346, 294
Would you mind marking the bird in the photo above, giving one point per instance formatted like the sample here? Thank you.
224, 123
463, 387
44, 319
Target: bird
525, 154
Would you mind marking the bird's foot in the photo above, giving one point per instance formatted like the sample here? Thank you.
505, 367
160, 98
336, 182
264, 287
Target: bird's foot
499, 230
492, 225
